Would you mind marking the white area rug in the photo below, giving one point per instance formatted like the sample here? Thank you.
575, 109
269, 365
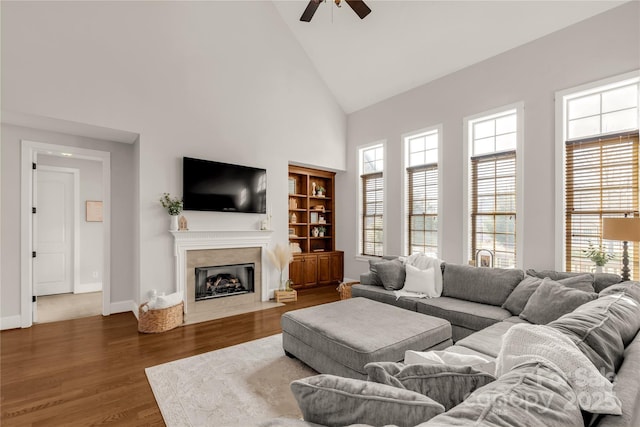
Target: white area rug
241, 385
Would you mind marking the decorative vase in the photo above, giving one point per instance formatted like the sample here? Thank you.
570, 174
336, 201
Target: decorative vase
173, 225
315, 232
598, 269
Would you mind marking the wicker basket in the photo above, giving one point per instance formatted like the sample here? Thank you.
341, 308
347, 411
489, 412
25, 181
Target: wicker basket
159, 320
345, 289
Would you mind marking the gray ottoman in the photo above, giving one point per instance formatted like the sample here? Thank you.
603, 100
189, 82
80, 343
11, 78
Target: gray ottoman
341, 337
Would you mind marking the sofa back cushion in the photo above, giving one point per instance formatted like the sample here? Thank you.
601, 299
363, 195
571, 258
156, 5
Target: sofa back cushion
600, 280
480, 284
603, 328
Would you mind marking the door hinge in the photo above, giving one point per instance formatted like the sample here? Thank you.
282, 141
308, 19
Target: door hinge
33, 254
33, 210
34, 165
34, 298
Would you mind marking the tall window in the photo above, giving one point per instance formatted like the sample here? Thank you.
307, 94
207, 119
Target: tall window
422, 192
601, 171
372, 195
493, 142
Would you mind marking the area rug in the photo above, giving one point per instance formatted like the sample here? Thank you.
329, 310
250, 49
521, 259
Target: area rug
241, 385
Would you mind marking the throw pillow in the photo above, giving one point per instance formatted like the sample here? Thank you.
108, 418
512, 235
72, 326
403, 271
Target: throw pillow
392, 274
421, 281
446, 384
552, 300
337, 401
374, 277
600, 280
517, 300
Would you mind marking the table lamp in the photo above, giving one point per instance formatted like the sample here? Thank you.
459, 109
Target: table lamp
625, 229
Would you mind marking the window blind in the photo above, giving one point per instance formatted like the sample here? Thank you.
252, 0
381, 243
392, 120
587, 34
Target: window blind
601, 181
493, 206
422, 209
372, 214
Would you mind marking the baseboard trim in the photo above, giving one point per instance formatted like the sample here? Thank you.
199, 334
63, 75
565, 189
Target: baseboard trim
84, 288
123, 307
10, 322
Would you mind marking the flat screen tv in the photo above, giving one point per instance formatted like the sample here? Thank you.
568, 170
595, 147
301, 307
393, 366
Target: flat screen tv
223, 187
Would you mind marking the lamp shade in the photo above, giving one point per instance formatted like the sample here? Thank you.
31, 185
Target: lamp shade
625, 229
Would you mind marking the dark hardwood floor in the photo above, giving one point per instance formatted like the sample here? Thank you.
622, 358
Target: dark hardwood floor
90, 371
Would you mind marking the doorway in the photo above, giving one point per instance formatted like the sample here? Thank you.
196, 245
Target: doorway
32, 242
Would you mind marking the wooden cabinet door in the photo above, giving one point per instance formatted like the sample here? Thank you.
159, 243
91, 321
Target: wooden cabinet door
296, 271
310, 270
324, 268
337, 266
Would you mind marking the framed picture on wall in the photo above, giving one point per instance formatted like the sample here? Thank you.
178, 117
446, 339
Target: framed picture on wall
94, 211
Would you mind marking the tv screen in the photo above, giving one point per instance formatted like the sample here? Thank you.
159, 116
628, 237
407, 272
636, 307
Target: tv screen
223, 187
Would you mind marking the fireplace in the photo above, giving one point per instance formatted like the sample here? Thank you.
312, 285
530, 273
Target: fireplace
211, 253
224, 281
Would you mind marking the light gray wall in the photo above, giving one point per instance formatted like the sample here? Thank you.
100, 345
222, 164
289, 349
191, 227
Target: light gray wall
221, 80
122, 211
605, 45
91, 240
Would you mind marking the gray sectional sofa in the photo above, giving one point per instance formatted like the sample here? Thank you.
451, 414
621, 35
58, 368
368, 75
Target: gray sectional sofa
592, 313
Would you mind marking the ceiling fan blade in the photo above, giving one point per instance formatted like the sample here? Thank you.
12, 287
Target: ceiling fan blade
359, 7
310, 10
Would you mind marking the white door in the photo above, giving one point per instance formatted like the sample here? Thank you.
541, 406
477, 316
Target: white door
54, 232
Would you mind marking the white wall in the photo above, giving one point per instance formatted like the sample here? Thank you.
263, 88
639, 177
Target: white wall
602, 46
219, 80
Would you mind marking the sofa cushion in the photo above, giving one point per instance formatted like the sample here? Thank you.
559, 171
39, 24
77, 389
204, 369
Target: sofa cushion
520, 296
551, 300
631, 289
530, 395
391, 273
380, 294
336, 401
487, 341
468, 314
483, 285
600, 280
602, 328
447, 385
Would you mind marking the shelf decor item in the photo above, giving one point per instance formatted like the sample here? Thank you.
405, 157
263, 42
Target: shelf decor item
174, 206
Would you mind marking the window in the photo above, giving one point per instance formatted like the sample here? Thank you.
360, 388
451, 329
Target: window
372, 195
493, 141
600, 152
421, 209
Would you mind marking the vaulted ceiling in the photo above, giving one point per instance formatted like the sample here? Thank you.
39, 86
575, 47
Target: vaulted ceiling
403, 44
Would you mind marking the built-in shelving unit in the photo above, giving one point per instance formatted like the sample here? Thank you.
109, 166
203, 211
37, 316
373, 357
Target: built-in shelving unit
312, 227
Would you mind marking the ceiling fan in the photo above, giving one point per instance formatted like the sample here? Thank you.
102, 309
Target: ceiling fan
358, 7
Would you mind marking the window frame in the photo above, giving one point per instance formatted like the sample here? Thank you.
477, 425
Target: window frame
468, 122
561, 99
438, 129
359, 229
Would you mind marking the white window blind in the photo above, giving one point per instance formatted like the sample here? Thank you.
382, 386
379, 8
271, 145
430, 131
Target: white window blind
372, 195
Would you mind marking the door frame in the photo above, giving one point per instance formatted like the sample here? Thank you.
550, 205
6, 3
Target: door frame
75, 173
30, 149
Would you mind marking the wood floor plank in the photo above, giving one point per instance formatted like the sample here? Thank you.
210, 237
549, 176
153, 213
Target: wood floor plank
90, 372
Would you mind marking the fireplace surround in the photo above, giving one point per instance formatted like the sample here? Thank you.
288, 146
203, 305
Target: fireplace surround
209, 249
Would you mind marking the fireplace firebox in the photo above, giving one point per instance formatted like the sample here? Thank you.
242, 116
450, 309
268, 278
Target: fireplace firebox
224, 280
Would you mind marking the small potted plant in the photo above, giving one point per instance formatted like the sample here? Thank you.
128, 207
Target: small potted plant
174, 206
320, 191
598, 256
321, 231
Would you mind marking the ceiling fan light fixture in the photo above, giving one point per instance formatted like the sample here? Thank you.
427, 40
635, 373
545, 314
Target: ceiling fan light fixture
358, 6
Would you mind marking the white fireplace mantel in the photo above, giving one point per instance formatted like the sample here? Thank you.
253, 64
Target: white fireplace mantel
192, 240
